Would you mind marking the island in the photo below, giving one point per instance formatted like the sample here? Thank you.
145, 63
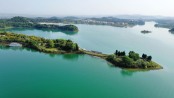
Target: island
164, 23
146, 31
171, 30
61, 46
23, 22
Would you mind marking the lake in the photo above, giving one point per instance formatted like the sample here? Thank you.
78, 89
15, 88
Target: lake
25, 73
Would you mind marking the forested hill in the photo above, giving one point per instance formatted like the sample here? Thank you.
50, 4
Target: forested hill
24, 22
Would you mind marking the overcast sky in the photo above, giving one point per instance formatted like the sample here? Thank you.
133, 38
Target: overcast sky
88, 7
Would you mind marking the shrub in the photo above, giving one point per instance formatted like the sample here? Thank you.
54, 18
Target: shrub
127, 61
134, 56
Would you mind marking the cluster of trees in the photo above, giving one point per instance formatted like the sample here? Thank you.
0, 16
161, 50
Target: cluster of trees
120, 53
117, 20
19, 19
28, 23
57, 27
65, 20
2, 24
17, 22
132, 60
38, 43
145, 57
67, 45
165, 23
134, 56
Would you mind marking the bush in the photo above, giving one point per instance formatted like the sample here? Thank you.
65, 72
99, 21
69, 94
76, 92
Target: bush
144, 56
149, 58
134, 56
127, 61
70, 46
50, 44
111, 58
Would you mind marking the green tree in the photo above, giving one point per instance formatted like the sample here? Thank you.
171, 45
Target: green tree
111, 58
50, 44
120, 53
61, 43
77, 47
116, 52
144, 56
127, 62
134, 56
69, 45
149, 58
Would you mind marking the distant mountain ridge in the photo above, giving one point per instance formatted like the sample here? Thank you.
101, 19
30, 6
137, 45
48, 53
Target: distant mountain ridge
143, 17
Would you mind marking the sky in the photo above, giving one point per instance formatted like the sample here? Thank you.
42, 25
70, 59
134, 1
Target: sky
88, 7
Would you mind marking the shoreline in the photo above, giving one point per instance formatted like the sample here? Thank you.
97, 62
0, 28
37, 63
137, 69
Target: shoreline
85, 52
44, 47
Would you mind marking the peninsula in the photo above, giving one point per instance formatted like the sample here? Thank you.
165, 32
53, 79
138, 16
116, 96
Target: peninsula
23, 22
61, 46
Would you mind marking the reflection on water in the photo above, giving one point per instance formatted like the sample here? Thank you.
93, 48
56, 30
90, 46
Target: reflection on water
44, 30
11, 48
131, 72
125, 72
71, 57
50, 74
16, 48
52, 55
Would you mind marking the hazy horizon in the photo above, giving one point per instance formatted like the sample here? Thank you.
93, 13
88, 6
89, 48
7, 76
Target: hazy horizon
87, 8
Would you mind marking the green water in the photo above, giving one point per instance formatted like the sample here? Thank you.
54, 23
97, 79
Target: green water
29, 74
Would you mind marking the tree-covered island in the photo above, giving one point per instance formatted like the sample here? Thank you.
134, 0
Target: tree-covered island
23, 22
61, 46
146, 31
171, 30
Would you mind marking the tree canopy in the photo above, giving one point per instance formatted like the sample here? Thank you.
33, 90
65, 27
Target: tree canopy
134, 56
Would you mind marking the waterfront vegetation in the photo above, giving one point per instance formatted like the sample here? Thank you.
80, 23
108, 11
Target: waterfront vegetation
61, 46
113, 21
22, 22
110, 21
165, 23
40, 44
132, 60
31, 22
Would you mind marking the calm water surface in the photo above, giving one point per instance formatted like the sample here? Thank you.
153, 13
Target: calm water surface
29, 74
